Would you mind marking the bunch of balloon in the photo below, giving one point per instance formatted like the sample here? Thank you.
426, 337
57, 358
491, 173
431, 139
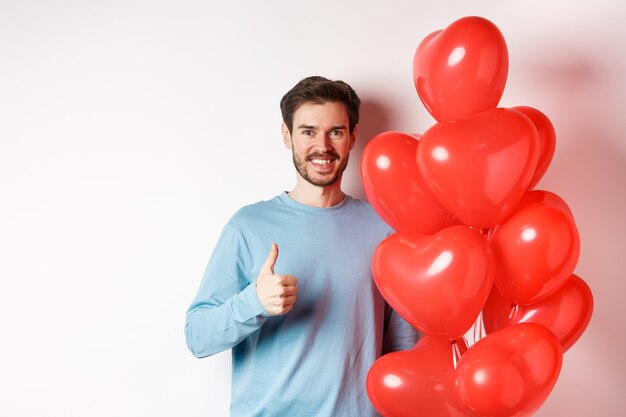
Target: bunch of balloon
474, 243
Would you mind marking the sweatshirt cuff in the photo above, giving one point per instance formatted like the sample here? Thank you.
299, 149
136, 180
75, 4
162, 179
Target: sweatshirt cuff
250, 305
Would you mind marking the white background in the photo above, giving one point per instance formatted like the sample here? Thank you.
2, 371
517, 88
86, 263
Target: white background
131, 130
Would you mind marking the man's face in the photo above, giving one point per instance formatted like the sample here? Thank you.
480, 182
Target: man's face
320, 142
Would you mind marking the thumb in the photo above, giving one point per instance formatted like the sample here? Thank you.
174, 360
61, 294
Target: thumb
268, 266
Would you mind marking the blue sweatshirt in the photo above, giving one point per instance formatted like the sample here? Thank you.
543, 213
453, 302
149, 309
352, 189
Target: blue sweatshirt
312, 361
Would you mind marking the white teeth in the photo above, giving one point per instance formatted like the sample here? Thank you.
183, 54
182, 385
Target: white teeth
320, 161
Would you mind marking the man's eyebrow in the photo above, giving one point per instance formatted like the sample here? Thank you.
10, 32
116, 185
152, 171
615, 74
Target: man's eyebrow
311, 127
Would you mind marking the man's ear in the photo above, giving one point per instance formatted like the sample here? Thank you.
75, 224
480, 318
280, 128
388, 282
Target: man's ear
286, 136
353, 136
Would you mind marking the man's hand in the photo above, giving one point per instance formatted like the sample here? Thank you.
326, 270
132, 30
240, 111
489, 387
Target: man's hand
276, 292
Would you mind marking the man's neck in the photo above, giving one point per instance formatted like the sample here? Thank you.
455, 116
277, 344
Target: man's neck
313, 195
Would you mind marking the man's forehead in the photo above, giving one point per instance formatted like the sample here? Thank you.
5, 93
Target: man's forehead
328, 112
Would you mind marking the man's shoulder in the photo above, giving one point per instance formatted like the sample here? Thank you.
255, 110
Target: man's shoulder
252, 211
362, 206
364, 210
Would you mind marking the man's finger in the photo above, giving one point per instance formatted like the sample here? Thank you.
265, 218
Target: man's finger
289, 280
290, 290
289, 299
268, 265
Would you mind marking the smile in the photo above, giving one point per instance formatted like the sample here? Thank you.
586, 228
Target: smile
321, 161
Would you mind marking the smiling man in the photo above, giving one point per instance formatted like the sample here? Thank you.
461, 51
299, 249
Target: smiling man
304, 327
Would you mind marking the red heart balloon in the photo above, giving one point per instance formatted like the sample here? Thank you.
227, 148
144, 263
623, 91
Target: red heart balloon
536, 249
461, 70
547, 140
480, 167
544, 197
509, 373
415, 383
438, 283
395, 188
566, 313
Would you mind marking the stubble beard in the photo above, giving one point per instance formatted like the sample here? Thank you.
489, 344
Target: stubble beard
301, 167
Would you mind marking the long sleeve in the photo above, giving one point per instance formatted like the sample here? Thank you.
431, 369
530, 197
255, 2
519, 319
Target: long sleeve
226, 308
398, 333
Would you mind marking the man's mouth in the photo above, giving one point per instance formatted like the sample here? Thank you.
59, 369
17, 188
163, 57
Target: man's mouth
321, 161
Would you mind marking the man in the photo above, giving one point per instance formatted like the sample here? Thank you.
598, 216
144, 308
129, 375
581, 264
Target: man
305, 326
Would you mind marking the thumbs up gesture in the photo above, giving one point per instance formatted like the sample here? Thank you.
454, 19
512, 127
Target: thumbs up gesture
276, 292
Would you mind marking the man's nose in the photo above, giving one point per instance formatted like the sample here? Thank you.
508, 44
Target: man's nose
324, 142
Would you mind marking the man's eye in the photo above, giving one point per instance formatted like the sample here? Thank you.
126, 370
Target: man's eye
336, 133
307, 132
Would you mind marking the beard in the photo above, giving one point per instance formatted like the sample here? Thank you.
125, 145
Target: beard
301, 167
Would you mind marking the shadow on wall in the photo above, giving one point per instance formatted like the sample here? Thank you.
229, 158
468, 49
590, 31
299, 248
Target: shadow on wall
564, 76
374, 119
589, 170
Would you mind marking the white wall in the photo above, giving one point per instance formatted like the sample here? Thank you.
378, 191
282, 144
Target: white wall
130, 130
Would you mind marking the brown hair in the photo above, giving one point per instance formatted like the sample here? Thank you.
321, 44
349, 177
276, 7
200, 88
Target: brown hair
319, 90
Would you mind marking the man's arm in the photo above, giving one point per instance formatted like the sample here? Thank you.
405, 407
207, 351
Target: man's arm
229, 307
226, 308
398, 333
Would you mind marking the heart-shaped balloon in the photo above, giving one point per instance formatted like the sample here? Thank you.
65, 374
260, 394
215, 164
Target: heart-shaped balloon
510, 372
544, 197
566, 313
461, 70
439, 282
480, 167
395, 188
415, 383
536, 249
547, 140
